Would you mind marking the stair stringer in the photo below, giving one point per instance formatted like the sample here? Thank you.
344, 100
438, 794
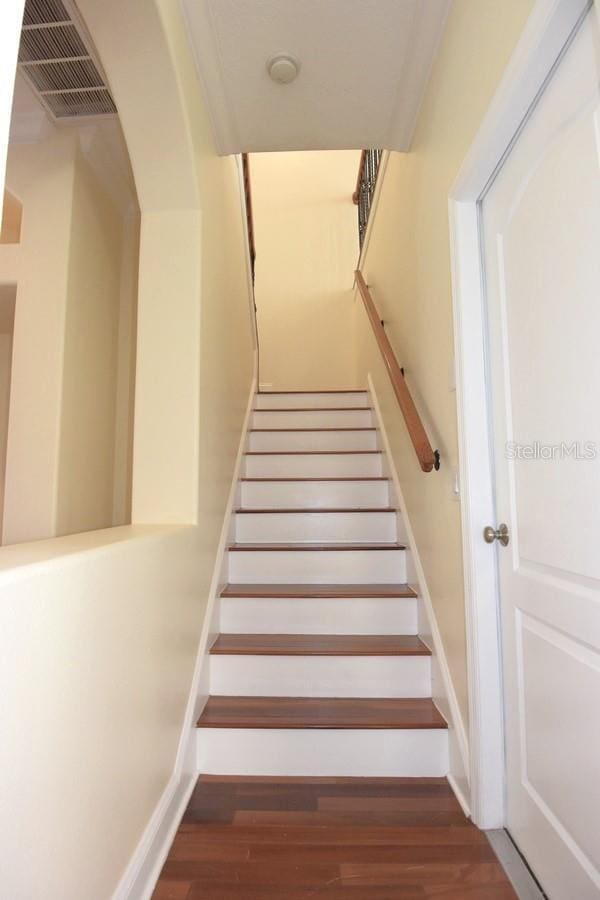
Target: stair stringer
442, 688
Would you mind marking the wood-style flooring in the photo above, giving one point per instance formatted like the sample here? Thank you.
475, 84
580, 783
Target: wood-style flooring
320, 712
332, 838
312, 591
319, 645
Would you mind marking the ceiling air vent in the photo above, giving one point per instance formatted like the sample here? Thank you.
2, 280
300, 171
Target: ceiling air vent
56, 59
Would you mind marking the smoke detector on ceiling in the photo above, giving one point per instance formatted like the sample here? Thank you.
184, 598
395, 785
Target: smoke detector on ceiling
283, 68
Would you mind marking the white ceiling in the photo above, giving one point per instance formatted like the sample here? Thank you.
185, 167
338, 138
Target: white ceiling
364, 66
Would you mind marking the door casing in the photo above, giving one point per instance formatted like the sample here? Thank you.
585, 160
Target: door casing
547, 32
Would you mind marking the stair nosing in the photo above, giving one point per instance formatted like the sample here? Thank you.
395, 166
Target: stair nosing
310, 722
419, 651
313, 546
327, 391
293, 591
319, 478
311, 510
311, 452
271, 409
294, 430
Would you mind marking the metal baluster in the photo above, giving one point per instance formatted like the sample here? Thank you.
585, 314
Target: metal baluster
368, 180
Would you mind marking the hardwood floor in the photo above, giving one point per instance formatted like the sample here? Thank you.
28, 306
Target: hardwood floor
336, 838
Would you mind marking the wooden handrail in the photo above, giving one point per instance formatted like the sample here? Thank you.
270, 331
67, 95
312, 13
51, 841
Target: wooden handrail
249, 213
361, 165
428, 458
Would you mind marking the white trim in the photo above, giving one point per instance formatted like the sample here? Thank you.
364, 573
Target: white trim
460, 794
452, 710
383, 164
544, 36
140, 877
141, 874
477, 510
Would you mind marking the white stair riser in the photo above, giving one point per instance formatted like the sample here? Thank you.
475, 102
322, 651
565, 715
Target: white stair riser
285, 401
355, 615
321, 676
312, 440
289, 465
317, 566
325, 526
328, 418
410, 753
314, 494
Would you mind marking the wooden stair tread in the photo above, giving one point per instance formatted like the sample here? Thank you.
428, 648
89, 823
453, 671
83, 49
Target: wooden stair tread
328, 391
320, 712
319, 645
271, 409
322, 478
312, 452
316, 509
318, 546
294, 430
318, 591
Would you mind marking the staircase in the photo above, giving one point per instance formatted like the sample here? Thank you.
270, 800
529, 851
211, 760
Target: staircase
318, 669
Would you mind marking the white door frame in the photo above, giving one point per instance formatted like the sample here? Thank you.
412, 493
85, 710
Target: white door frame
534, 59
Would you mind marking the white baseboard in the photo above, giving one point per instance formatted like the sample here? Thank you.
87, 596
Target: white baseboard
140, 877
460, 794
144, 867
459, 761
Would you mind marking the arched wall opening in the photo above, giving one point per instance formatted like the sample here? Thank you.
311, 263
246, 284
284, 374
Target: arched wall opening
196, 331
71, 229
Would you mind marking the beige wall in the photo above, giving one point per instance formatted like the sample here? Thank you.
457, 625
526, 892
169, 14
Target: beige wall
226, 339
10, 231
126, 361
307, 247
7, 316
84, 493
97, 656
407, 266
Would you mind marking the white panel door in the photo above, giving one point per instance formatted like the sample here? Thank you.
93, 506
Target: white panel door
540, 224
